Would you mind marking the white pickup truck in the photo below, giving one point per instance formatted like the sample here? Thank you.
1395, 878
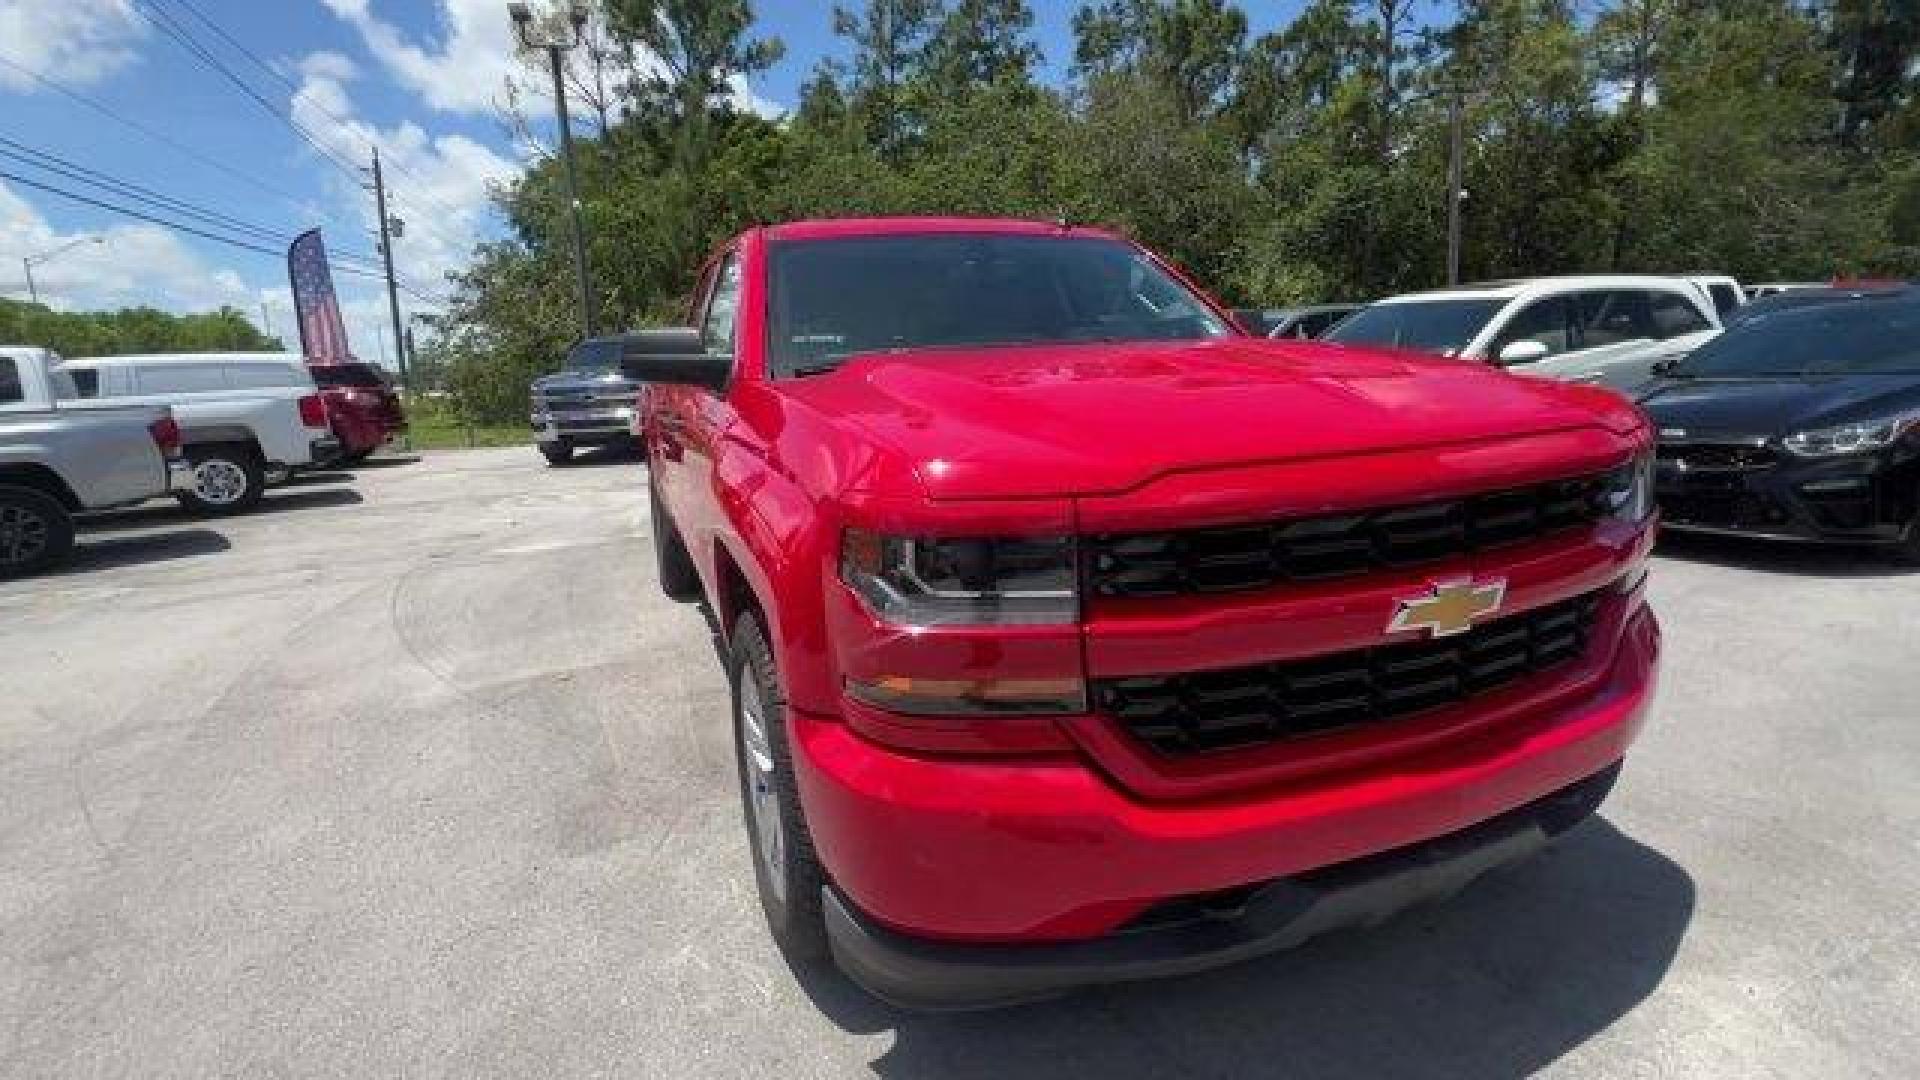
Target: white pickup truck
246, 419
58, 461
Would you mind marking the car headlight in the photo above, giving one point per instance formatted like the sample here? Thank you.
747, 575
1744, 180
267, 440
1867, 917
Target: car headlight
921, 581
1850, 438
1626, 493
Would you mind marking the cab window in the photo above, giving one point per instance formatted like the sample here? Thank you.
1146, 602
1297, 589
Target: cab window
182, 378
716, 325
1674, 315
1544, 321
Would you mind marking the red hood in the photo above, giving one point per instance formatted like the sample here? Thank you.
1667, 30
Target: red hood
1090, 419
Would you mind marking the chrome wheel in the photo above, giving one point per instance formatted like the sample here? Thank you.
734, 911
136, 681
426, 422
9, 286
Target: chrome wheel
23, 535
763, 795
219, 482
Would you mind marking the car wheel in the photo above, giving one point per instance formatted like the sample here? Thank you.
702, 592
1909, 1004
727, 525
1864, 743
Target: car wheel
557, 453
35, 531
678, 579
785, 867
228, 478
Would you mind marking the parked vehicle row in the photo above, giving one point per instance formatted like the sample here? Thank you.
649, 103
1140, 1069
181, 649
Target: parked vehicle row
226, 424
1799, 420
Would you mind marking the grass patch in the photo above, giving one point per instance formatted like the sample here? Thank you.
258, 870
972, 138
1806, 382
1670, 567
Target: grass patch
432, 424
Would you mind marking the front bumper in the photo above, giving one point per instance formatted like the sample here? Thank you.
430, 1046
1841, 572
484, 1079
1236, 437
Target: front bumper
583, 427
1867, 498
1206, 933
1021, 852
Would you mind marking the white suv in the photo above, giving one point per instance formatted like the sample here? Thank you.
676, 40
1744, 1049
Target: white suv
1593, 329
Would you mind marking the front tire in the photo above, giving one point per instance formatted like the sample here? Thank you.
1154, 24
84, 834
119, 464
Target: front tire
228, 478
36, 532
786, 869
557, 454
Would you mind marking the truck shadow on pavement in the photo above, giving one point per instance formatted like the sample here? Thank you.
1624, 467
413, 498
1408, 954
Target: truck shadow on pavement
1503, 980
101, 553
1782, 557
172, 513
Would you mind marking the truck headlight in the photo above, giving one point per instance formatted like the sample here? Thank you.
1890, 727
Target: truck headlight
943, 581
1850, 438
1626, 493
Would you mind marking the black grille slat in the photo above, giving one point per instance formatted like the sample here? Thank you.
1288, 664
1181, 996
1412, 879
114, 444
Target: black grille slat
1259, 555
1238, 707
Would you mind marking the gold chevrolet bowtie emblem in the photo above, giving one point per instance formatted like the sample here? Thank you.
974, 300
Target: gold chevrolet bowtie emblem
1449, 607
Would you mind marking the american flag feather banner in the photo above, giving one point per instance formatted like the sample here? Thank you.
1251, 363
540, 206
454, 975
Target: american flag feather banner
323, 333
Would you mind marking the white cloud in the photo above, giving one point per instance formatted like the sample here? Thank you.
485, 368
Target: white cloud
469, 67
75, 41
464, 71
136, 264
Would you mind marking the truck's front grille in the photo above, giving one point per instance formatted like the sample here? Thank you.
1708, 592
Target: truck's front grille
1218, 710
1258, 555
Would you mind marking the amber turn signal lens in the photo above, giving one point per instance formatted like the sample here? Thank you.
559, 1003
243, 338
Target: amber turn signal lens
905, 694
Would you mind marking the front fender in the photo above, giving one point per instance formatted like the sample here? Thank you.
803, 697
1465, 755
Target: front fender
783, 547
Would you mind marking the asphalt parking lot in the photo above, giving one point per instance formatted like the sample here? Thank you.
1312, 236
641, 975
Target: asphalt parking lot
414, 772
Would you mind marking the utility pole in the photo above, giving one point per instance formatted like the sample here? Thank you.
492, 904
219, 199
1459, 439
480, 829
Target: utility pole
33, 291
266, 319
557, 47
386, 257
1456, 121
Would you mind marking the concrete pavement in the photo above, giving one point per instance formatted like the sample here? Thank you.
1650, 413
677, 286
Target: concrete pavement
414, 772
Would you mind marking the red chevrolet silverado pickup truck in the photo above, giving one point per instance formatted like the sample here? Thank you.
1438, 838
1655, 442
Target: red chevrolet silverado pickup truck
1076, 637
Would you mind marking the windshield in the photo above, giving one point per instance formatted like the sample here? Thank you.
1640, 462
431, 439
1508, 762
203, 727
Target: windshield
1442, 326
832, 299
1842, 339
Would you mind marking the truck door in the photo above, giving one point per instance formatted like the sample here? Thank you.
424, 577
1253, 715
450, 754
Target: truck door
697, 419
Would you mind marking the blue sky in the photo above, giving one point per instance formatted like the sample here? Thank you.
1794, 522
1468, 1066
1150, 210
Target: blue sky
425, 80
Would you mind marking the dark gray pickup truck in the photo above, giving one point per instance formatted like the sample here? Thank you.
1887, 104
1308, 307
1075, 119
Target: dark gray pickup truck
587, 403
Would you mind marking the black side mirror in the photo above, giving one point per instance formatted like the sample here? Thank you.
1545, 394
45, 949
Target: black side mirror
673, 355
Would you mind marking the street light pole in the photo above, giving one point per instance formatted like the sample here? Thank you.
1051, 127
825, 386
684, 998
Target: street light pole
556, 49
27, 263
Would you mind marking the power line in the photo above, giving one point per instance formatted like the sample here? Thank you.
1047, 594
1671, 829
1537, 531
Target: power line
340, 123
73, 170
185, 39
204, 234
156, 135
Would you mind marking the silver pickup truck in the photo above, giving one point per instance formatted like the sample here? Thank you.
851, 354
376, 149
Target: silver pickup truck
55, 462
